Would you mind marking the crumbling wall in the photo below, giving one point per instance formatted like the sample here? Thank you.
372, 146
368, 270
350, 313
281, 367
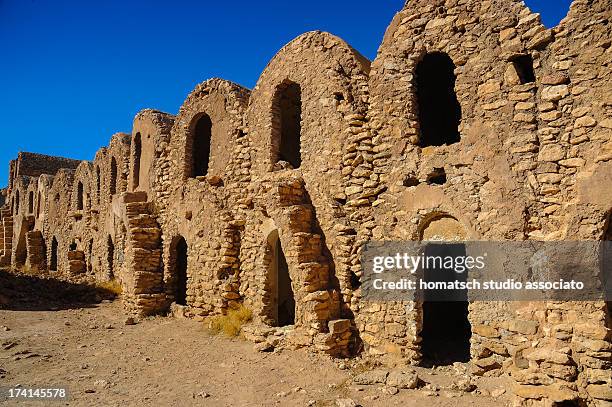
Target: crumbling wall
57, 226
217, 192
34, 165
329, 152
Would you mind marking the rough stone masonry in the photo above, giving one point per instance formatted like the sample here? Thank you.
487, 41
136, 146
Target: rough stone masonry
473, 122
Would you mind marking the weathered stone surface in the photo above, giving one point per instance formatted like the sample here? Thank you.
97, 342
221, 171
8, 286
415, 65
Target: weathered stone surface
329, 152
371, 377
403, 379
554, 93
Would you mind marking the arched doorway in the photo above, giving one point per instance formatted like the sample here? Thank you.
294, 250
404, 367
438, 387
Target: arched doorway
446, 330
439, 109
281, 297
53, 257
180, 254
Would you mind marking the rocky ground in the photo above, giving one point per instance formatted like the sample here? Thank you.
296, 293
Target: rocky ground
59, 334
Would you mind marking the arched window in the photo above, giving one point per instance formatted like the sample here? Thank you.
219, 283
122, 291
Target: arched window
198, 146
137, 155
287, 123
439, 109
31, 202
113, 178
80, 196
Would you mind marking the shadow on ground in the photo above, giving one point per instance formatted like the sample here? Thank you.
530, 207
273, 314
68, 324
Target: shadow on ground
25, 292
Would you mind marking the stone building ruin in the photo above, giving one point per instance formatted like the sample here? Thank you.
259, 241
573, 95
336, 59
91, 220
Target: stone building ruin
474, 122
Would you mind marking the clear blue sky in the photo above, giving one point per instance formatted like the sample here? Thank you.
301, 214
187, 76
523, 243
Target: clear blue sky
72, 73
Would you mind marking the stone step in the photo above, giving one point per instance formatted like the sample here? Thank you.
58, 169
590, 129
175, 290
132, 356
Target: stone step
137, 208
145, 237
132, 197
143, 221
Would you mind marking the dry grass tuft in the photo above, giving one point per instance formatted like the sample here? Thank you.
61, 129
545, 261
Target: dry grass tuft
111, 286
231, 323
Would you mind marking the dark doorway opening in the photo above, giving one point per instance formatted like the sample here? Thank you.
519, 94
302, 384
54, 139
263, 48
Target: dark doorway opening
113, 178
181, 252
446, 329
90, 256
31, 202
523, 65
439, 109
289, 107
38, 203
282, 300
200, 155
53, 259
110, 259
80, 196
137, 155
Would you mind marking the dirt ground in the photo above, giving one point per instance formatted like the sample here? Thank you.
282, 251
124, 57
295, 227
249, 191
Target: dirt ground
48, 339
